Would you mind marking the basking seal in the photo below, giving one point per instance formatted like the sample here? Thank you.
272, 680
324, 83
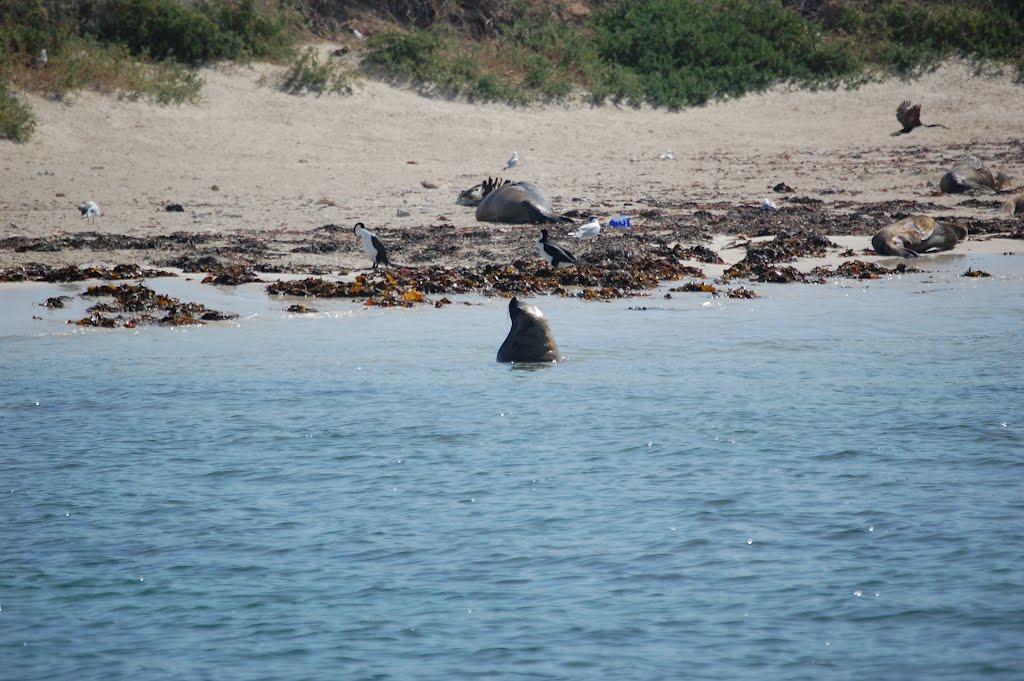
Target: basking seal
916, 234
1014, 204
529, 339
970, 174
512, 202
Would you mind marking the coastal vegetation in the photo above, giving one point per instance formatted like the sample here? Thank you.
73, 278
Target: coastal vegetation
670, 53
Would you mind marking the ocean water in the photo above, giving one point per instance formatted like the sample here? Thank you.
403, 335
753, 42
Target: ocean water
826, 482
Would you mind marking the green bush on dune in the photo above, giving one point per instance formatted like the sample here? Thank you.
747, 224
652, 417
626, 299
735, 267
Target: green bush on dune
666, 52
16, 121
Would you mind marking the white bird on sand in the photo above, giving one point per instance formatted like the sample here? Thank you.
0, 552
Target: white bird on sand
89, 209
41, 59
588, 230
768, 204
666, 156
371, 245
512, 162
553, 253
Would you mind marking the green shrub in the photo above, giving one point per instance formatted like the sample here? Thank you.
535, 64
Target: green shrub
307, 74
685, 52
413, 54
193, 34
16, 120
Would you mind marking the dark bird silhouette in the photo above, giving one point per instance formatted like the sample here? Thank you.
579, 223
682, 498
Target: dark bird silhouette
909, 116
554, 254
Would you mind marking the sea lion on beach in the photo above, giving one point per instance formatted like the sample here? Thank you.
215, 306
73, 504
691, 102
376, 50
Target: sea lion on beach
1014, 204
529, 339
970, 174
511, 202
909, 117
916, 234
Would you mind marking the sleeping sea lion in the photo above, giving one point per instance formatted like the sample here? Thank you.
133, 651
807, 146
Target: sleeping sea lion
970, 174
529, 339
511, 202
916, 234
1014, 204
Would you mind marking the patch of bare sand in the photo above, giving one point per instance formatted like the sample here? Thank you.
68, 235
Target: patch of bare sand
252, 165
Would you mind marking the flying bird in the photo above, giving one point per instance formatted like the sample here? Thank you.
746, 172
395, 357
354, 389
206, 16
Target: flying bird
589, 229
554, 254
89, 209
909, 117
371, 245
512, 162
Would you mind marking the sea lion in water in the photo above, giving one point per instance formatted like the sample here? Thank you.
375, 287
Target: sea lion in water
969, 174
1014, 204
916, 234
529, 339
511, 202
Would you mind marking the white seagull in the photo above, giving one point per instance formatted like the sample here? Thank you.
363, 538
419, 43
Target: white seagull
512, 162
89, 209
666, 156
768, 204
41, 59
588, 230
553, 253
371, 245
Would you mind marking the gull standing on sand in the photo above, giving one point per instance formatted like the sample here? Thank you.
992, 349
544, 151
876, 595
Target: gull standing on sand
512, 162
371, 245
553, 253
89, 209
588, 230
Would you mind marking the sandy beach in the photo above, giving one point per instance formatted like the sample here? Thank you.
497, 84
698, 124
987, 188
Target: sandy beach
259, 173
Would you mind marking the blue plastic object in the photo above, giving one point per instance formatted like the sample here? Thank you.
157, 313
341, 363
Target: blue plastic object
620, 221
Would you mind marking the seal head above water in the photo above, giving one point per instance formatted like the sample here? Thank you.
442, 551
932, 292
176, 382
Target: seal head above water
529, 339
915, 235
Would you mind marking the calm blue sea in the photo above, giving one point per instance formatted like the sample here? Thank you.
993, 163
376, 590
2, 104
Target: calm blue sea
826, 482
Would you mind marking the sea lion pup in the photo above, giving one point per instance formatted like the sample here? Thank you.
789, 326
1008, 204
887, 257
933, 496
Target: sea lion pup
970, 174
529, 339
916, 234
510, 202
909, 117
1014, 204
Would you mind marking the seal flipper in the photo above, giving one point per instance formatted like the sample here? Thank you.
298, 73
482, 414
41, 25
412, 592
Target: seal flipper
538, 217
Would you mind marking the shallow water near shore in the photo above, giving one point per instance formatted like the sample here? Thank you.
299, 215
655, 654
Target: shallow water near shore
826, 482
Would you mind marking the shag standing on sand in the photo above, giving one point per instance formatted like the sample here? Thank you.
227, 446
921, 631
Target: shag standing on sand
372, 245
553, 253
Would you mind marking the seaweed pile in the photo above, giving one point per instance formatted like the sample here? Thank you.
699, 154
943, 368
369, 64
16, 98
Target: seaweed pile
137, 304
39, 272
408, 286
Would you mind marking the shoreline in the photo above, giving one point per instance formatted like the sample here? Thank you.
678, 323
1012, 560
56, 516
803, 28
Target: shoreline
274, 182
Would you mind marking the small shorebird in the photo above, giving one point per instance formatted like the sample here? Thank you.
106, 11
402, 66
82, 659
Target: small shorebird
371, 245
666, 156
89, 209
910, 118
554, 254
588, 230
512, 162
41, 59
